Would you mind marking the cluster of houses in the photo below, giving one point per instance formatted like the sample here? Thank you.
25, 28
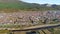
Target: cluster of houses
29, 18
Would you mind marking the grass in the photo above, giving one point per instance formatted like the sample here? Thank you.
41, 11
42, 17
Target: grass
57, 32
23, 6
10, 26
9, 5
4, 31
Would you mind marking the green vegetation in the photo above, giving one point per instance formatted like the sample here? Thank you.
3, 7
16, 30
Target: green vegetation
26, 6
4, 31
57, 32
10, 26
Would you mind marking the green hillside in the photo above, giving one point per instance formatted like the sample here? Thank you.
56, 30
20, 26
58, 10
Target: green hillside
24, 6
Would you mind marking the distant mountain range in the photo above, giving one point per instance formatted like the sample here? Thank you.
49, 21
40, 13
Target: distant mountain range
16, 4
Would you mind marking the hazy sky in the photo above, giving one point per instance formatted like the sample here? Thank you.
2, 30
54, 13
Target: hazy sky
43, 1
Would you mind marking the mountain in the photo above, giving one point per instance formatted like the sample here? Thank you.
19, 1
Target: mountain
16, 4
8, 1
13, 4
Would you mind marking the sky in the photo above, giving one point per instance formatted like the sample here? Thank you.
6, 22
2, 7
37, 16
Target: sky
43, 1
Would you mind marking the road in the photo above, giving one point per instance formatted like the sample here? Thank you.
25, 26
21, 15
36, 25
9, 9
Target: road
37, 27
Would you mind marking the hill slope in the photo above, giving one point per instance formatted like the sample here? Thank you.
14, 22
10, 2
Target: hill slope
8, 1
15, 4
